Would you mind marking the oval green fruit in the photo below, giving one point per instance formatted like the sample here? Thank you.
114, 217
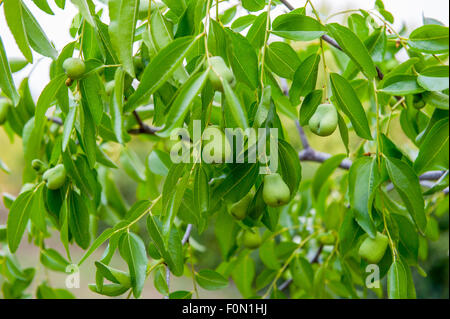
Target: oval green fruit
5, 104
251, 240
74, 68
38, 166
373, 249
239, 209
324, 121
275, 192
326, 239
219, 71
55, 177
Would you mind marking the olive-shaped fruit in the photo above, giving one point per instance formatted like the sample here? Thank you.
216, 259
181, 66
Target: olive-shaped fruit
239, 209
74, 68
219, 71
218, 149
275, 192
324, 121
251, 240
5, 104
326, 239
109, 87
139, 66
373, 249
55, 177
38, 166
418, 101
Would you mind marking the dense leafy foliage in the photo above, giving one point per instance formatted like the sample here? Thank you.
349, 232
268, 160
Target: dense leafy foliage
228, 64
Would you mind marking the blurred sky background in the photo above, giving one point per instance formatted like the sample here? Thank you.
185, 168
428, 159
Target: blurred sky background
408, 12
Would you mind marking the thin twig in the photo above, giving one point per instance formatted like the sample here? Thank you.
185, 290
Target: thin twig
302, 134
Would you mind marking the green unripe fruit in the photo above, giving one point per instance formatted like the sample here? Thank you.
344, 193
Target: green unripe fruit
138, 66
418, 101
55, 177
251, 240
373, 249
239, 209
218, 149
324, 121
219, 70
38, 166
109, 87
74, 68
326, 239
27, 187
5, 104
275, 192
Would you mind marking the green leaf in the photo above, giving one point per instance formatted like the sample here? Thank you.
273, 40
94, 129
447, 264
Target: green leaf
401, 84
90, 86
434, 150
116, 106
132, 250
159, 162
123, 17
210, 280
6, 80
85, 11
437, 99
354, 48
325, 170
18, 217
160, 69
243, 274
289, 166
234, 106
305, 78
407, 185
243, 59
434, 78
78, 219
256, 34
14, 17
68, 126
114, 275
282, 59
397, 281
181, 294
53, 260
268, 256
253, 5
433, 39
201, 190
363, 179
241, 23
297, 27
36, 36
182, 103
347, 100
309, 106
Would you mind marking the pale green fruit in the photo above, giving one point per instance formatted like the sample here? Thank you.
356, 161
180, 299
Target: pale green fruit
239, 209
251, 240
109, 87
74, 68
324, 121
326, 239
373, 249
55, 177
219, 70
38, 166
5, 104
275, 192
